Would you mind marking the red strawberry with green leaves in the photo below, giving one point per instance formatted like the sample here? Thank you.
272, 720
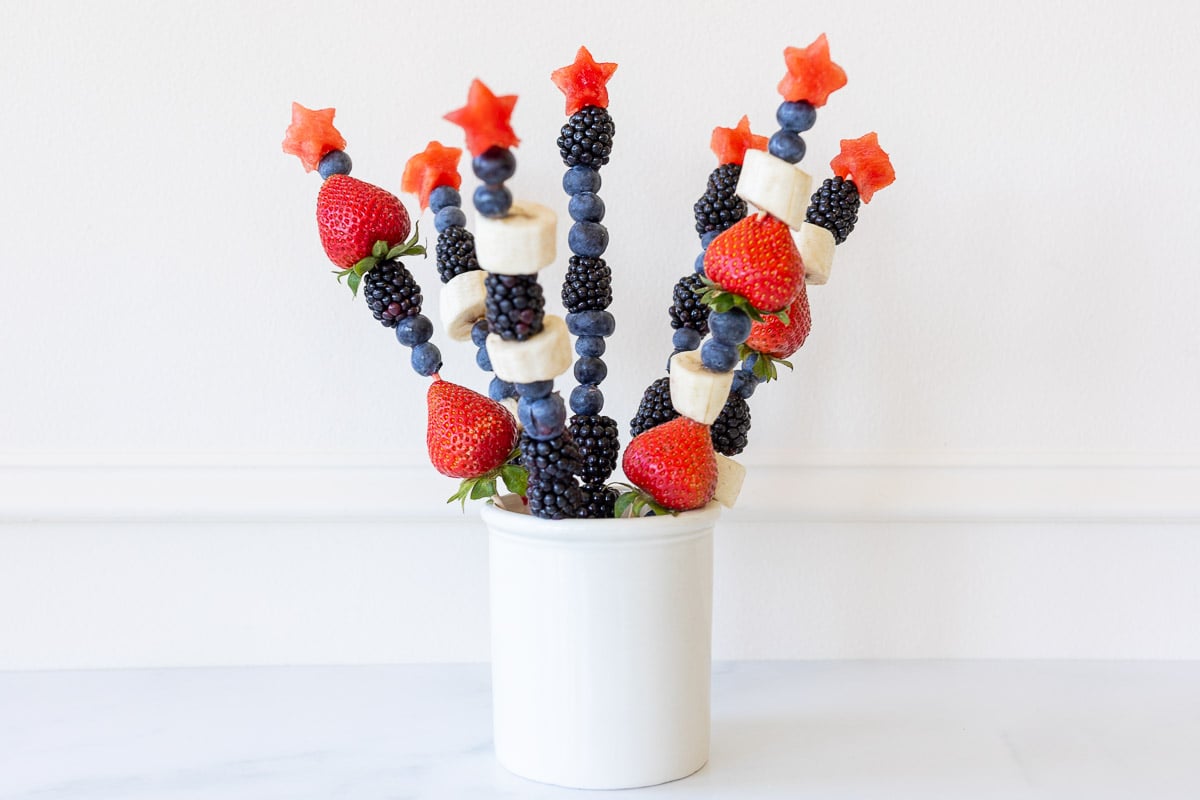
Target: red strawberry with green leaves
753, 265
674, 463
361, 225
353, 215
775, 340
471, 436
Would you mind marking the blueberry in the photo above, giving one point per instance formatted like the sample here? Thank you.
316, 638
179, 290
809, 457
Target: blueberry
587, 400
412, 331
796, 117
581, 179
494, 165
588, 239
543, 418
500, 390
492, 201
707, 238
686, 339
483, 359
444, 196
718, 357
748, 368
335, 162
590, 346
743, 385
729, 327
591, 323
786, 145
699, 265
479, 333
590, 369
586, 207
449, 216
426, 358
535, 389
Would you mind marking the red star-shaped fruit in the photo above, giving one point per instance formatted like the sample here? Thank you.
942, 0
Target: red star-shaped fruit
584, 82
864, 162
811, 75
730, 144
436, 166
485, 119
311, 135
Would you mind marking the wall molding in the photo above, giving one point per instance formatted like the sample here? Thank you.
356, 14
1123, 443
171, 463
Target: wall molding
833, 488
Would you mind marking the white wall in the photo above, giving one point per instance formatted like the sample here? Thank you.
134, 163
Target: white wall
1019, 304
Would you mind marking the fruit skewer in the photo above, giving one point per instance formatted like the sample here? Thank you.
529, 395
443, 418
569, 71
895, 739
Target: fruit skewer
433, 176
527, 348
365, 231
718, 209
752, 272
585, 144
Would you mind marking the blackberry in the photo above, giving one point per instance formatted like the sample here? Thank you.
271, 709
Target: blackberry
553, 491
598, 501
587, 285
455, 252
730, 429
720, 207
655, 408
514, 305
835, 208
391, 292
598, 439
586, 138
687, 310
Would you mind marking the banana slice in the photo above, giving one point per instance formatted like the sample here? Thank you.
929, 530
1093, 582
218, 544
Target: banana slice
730, 475
816, 251
781, 189
461, 303
520, 243
696, 392
539, 358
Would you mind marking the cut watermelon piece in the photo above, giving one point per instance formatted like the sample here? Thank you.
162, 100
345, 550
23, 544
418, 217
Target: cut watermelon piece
436, 165
811, 75
730, 144
485, 119
863, 161
584, 82
311, 135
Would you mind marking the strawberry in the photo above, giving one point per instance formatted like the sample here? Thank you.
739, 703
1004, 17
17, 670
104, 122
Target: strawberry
779, 339
757, 260
468, 434
353, 215
674, 463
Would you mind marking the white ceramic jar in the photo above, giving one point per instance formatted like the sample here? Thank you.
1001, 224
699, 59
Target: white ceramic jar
601, 646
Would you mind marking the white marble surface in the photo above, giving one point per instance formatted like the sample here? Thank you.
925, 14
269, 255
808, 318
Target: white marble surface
780, 730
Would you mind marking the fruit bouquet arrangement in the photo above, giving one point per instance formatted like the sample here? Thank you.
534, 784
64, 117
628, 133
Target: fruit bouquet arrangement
747, 293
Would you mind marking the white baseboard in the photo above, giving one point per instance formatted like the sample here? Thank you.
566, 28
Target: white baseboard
135, 565
832, 489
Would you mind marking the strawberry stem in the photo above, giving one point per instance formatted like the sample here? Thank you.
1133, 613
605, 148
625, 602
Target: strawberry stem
635, 502
720, 301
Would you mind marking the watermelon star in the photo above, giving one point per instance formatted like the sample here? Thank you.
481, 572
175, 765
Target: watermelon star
485, 119
811, 77
311, 135
584, 82
863, 161
730, 144
436, 166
